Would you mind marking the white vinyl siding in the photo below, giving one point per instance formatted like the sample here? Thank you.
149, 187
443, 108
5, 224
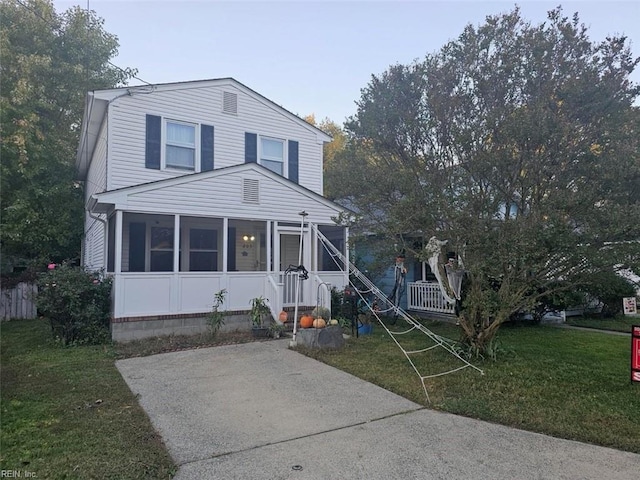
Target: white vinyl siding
94, 236
203, 105
277, 199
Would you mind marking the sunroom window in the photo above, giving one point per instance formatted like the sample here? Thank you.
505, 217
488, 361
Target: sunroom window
161, 249
180, 149
203, 250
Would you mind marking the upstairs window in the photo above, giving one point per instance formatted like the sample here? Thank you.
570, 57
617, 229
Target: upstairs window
272, 154
180, 148
178, 145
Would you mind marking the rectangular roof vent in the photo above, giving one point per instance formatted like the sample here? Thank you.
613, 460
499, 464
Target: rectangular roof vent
230, 102
250, 191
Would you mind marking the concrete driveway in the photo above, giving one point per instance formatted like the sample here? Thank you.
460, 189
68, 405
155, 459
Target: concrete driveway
262, 411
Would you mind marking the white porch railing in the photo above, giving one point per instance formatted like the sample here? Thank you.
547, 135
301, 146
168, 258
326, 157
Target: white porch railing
289, 293
274, 293
323, 292
426, 296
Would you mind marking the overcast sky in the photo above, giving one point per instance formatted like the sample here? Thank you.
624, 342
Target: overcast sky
312, 56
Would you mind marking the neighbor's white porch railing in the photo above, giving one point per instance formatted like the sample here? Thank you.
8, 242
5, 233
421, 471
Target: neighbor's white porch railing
426, 296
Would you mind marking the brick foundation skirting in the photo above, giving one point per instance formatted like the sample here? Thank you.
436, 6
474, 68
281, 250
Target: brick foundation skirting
177, 316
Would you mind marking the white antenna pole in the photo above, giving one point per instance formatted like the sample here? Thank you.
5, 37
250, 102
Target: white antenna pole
295, 311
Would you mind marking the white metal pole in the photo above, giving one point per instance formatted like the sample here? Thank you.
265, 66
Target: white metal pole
295, 310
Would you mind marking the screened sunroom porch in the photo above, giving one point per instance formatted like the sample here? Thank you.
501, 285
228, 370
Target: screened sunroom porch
174, 264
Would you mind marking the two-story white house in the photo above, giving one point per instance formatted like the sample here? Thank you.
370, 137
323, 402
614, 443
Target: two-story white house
195, 187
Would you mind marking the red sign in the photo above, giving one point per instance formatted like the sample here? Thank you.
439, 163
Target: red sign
635, 353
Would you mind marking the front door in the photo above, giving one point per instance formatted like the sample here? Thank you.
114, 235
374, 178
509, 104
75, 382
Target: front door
289, 250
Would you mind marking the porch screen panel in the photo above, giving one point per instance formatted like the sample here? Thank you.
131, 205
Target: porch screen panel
161, 255
231, 250
336, 236
137, 244
246, 246
111, 244
203, 250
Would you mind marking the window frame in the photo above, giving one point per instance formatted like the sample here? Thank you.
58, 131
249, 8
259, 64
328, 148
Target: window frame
261, 156
165, 143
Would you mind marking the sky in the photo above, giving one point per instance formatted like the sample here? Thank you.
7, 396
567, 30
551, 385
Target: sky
313, 57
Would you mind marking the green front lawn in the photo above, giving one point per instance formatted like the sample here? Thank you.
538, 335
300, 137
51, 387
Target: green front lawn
566, 383
67, 412
620, 323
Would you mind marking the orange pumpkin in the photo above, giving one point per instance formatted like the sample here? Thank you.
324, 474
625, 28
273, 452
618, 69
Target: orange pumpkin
306, 321
283, 317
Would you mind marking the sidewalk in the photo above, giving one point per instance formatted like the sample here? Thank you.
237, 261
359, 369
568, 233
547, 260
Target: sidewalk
262, 411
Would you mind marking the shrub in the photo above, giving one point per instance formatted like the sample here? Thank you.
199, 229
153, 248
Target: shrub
215, 319
610, 288
76, 303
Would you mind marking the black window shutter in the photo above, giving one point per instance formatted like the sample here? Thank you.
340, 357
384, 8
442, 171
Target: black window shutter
153, 145
293, 161
231, 249
250, 148
206, 148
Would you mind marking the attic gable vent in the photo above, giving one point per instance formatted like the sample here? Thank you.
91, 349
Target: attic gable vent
250, 191
230, 102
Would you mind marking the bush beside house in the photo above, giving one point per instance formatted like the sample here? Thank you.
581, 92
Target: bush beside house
77, 304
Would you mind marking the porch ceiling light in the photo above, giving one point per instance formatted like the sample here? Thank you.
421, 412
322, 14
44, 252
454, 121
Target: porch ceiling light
248, 238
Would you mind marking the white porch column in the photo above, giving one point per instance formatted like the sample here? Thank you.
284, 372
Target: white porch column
176, 243
270, 265
225, 243
117, 266
276, 247
313, 248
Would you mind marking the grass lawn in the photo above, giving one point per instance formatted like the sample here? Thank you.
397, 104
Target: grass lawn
620, 323
566, 383
67, 412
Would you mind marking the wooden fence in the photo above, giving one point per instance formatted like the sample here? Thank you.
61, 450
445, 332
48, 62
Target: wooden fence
18, 302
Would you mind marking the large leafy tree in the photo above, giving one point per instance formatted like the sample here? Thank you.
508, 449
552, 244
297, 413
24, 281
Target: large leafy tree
516, 143
48, 61
331, 150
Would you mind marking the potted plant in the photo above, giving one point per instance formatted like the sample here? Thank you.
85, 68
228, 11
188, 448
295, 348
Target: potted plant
276, 329
259, 311
364, 324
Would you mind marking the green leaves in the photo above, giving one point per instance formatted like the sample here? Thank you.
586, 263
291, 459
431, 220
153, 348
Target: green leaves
516, 142
48, 63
